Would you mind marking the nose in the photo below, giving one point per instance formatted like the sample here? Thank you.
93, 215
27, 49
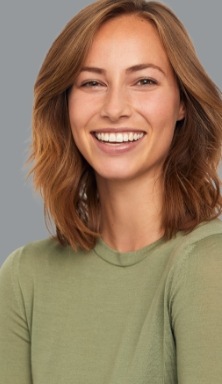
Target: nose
116, 104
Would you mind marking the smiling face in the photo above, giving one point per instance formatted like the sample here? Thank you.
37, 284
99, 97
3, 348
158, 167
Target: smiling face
125, 103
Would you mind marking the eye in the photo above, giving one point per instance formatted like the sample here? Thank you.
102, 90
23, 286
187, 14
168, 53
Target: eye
146, 81
91, 84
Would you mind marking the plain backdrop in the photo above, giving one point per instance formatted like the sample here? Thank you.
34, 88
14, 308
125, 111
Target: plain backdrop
27, 29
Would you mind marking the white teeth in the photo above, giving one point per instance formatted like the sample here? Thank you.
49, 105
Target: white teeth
119, 137
131, 136
112, 138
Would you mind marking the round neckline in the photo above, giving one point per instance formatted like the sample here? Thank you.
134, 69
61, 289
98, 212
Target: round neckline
124, 259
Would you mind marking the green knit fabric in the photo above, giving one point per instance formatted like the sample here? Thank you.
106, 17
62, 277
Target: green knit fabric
102, 317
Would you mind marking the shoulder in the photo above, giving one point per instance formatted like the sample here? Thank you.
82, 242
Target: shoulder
197, 262
36, 259
26, 255
204, 241
206, 230
34, 269
204, 255
194, 303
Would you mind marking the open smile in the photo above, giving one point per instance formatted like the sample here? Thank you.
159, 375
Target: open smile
118, 137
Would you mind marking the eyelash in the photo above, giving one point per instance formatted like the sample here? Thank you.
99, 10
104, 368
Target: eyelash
91, 84
94, 83
148, 81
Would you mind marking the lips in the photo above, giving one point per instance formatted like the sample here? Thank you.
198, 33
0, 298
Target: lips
118, 137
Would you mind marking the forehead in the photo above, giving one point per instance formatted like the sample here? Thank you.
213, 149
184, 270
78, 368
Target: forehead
127, 37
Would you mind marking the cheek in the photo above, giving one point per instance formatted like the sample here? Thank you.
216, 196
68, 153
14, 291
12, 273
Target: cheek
76, 123
78, 117
160, 109
75, 111
82, 111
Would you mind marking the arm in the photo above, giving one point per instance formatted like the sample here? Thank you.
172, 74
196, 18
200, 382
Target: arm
197, 314
14, 332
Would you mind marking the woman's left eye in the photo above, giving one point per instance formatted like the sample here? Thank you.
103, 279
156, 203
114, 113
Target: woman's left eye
146, 81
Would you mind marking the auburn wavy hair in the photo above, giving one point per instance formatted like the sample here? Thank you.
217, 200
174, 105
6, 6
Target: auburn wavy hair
64, 178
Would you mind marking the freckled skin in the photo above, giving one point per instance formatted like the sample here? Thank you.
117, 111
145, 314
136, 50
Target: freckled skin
145, 99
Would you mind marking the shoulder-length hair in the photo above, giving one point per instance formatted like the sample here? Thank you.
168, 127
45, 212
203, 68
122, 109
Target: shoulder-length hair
64, 178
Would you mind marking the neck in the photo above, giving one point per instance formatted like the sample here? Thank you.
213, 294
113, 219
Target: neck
130, 213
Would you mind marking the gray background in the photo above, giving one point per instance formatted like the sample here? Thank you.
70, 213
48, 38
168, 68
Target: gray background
27, 29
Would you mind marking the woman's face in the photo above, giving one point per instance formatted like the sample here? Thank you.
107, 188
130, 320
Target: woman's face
125, 103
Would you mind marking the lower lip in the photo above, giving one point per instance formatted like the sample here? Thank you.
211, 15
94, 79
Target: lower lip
118, 148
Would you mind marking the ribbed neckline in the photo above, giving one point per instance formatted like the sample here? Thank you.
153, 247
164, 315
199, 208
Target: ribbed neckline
124, 259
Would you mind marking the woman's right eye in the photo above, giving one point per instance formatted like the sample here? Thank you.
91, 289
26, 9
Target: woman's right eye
91, 84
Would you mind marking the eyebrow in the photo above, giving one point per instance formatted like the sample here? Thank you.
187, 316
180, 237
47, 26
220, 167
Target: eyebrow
134, 68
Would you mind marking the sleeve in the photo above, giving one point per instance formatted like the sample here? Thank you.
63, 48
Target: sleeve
14, 332
196, 313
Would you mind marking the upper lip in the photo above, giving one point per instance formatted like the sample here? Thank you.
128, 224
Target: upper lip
117, 130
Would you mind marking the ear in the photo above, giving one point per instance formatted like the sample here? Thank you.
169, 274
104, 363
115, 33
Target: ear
181, 111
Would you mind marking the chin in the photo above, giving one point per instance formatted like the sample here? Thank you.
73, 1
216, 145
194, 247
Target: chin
115, 174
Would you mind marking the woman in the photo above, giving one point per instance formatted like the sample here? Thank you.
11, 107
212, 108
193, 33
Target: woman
127, 133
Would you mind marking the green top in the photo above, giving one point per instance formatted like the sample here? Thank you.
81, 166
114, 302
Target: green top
102, 317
